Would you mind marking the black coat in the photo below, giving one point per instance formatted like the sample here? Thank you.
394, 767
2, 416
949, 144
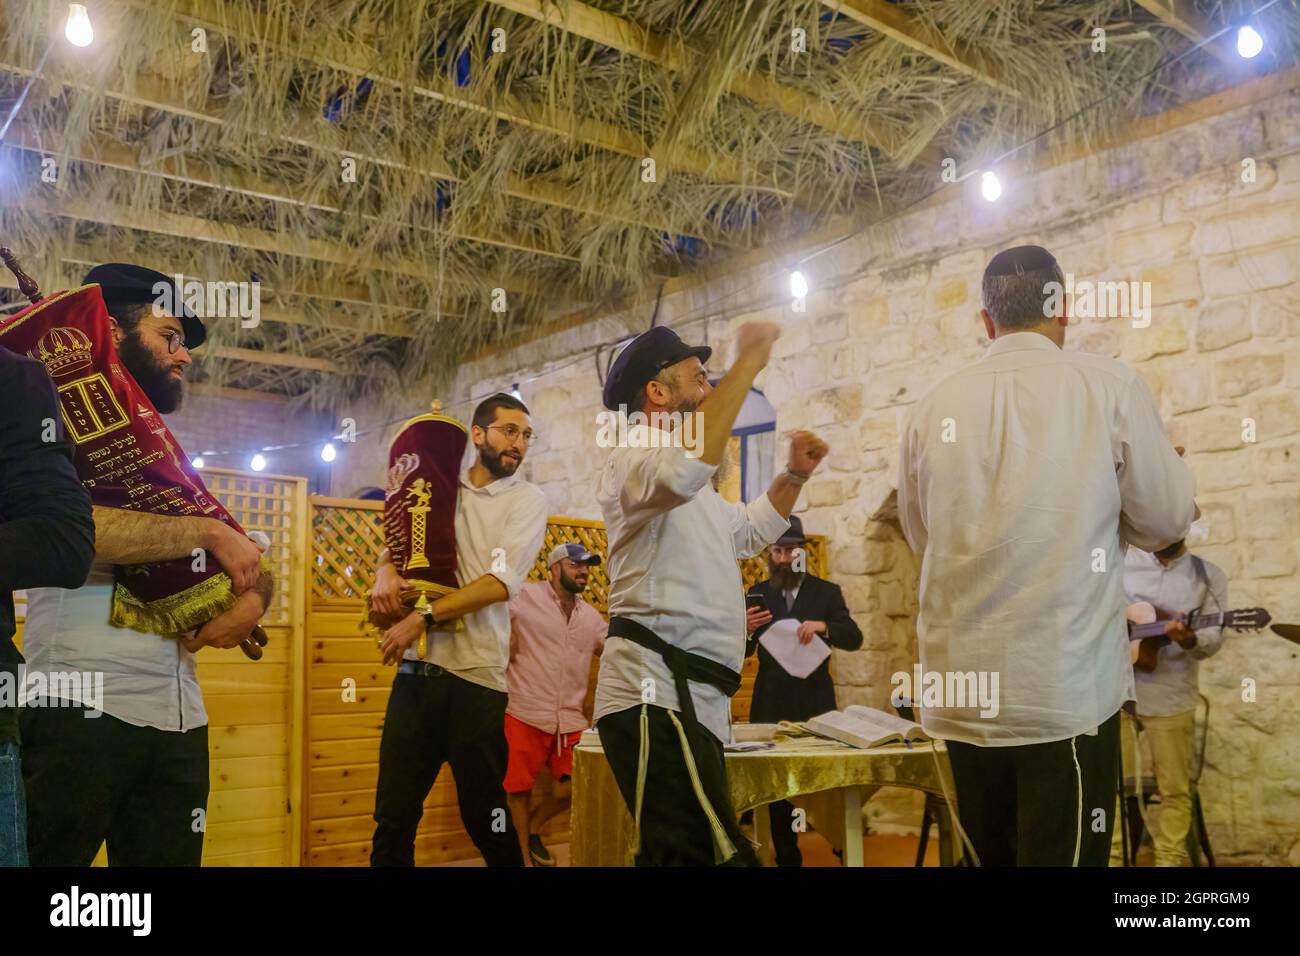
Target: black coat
778, 695
47, 532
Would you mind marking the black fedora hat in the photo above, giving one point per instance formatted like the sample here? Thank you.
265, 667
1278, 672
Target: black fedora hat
793, 534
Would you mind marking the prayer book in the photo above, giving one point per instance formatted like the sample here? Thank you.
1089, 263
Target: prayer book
865, 727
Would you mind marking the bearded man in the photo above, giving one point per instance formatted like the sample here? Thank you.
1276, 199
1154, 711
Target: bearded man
130, 768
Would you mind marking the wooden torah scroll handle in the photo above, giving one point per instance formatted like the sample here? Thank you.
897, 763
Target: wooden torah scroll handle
252, 647
26, 284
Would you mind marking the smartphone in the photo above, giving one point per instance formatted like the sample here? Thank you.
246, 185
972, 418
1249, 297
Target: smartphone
755, 601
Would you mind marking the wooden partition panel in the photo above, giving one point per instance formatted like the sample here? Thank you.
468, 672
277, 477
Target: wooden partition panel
348, 688
255, 712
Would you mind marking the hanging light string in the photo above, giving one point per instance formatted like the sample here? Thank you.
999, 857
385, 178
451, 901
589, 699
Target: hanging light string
706, 311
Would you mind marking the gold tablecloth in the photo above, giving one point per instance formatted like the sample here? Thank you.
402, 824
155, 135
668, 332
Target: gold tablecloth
600, 826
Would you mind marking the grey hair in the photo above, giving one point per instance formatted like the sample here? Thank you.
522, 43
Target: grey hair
1020, 301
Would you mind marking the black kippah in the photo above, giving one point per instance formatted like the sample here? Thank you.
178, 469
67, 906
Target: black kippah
1019, 260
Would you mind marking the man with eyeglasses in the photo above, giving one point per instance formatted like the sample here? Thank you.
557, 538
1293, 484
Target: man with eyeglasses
130, 769
450, 705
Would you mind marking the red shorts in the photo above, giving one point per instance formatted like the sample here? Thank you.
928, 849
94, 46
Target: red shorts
531, 749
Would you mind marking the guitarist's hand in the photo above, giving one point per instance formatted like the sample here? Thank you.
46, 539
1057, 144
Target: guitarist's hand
1179, 634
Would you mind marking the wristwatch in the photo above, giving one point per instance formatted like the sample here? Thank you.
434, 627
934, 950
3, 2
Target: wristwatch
426, 612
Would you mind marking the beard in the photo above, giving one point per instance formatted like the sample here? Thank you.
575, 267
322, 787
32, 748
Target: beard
496, 463
154, 378
784, 577
571, 585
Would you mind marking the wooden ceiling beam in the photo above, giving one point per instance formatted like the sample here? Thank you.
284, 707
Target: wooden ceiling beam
150, 93
207, 230
350, 58
103, 150
282, 316
282, 359
913, 32
631, 38
1184, 17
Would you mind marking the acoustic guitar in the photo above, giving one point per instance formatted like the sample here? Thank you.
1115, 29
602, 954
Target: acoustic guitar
1147, 626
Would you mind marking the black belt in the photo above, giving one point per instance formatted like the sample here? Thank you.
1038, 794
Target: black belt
684, 666
422, 669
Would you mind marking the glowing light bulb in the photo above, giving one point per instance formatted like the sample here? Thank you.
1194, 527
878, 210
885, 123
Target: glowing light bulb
197, 462
329, 452
1249, 42
257, 463
798, 284
990, 186
78, 29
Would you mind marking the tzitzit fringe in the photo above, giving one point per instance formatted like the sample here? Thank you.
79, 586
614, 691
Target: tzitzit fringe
723, 848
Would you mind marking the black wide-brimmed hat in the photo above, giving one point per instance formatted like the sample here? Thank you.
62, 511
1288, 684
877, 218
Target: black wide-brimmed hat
124, 284
642, 359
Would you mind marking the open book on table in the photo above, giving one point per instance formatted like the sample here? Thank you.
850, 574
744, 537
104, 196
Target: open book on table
865, 727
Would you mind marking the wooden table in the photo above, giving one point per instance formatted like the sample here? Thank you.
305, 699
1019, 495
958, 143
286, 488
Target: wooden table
829, 780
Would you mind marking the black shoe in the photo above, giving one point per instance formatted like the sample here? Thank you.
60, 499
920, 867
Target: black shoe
537, 850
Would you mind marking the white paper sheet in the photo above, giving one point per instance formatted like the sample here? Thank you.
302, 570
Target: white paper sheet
796, 659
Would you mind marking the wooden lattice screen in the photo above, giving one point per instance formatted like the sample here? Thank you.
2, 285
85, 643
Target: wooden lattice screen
348, 536
262, 503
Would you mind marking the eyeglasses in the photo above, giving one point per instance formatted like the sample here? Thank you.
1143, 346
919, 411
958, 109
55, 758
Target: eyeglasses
175, 341
512, 433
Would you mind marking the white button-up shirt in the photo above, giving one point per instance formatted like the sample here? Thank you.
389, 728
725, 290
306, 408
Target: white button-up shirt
149, 680
499, 530
674, 543
1020, 478
1172, 687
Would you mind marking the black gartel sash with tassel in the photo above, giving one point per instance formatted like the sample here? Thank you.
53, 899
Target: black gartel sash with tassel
684, 666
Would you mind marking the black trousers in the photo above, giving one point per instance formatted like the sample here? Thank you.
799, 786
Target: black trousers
1020, 805
674, 829
92, 780
785, 841
431, 721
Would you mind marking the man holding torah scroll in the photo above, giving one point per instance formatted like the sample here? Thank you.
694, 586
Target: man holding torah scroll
125, 760
448, 701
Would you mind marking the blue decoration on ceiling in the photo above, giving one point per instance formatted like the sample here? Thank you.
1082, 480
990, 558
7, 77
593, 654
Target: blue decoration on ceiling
687, 247
344, 100
840, 44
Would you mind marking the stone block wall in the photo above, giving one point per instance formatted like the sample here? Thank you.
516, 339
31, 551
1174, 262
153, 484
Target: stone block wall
894, 309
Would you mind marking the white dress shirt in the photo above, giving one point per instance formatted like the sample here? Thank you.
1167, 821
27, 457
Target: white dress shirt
1172, 687
1052, 460
674, 543
149, 680
499, 530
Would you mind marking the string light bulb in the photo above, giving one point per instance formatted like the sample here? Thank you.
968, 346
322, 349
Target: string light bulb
328, 452
1249, 42
258, 462
798, 284
990, 186
197, 462
77, 28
